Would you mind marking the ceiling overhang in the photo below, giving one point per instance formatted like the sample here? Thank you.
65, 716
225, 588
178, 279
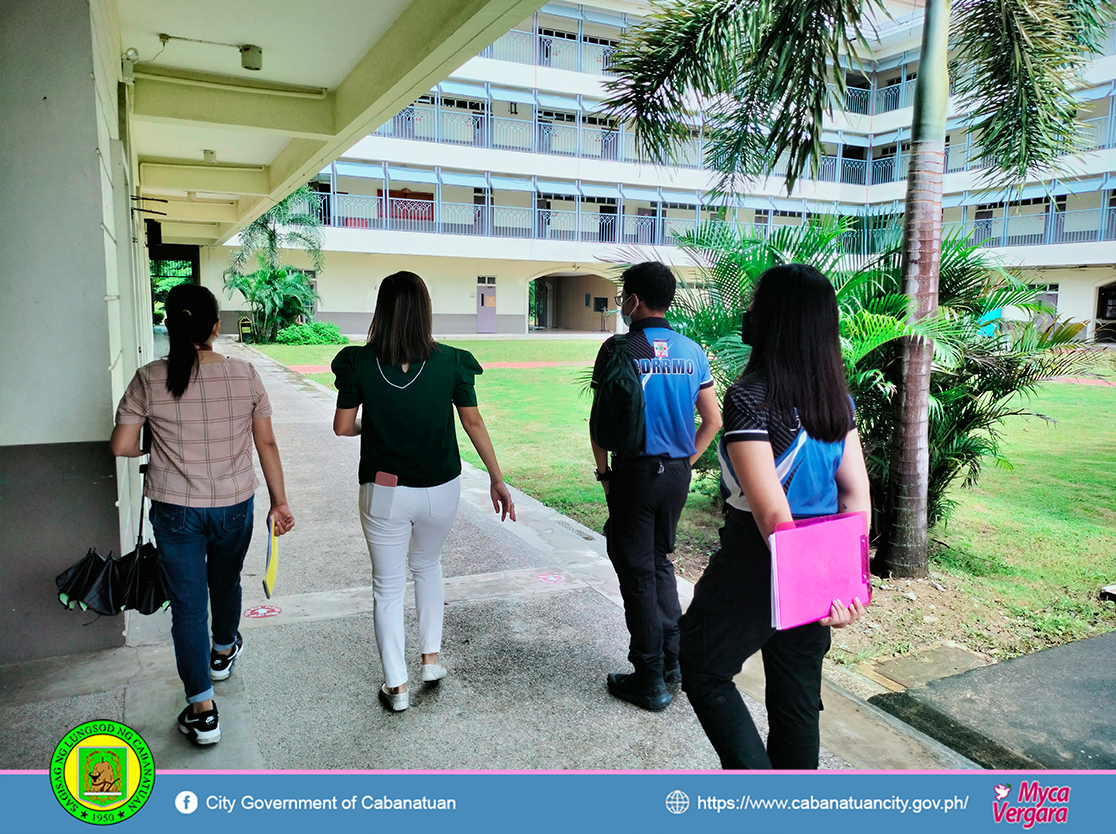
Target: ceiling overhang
272, 135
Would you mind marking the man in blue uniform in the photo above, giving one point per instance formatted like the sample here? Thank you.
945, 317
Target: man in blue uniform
647, 489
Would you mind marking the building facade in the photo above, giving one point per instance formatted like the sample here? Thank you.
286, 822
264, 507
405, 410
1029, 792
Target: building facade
510, 191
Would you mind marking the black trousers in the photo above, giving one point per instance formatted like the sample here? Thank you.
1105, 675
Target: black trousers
645, 500
729, 621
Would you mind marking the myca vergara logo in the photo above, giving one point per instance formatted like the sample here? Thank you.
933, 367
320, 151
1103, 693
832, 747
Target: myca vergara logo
1034, 804
102, 772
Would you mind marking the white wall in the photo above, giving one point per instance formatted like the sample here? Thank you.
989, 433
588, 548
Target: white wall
59, 266
1077, 290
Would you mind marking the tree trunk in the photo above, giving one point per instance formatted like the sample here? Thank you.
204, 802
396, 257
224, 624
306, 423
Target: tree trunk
904, 547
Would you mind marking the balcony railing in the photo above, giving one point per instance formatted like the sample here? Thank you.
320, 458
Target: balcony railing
894, 97
1039, 229
426, 123
433, 217
548, 51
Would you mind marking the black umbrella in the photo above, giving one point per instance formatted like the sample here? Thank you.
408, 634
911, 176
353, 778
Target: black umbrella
145, 587
94, 583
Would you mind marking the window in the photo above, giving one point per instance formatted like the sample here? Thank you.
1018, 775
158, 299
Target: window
465, 104
486, 280
558, 33
557, 116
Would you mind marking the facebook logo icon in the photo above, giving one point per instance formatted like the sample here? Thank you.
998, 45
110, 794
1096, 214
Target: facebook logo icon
186, 802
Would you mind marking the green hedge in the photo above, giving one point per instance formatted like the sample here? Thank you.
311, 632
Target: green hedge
318, 333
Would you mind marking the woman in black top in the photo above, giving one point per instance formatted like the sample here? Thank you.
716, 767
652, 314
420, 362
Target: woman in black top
410, 467
789, 449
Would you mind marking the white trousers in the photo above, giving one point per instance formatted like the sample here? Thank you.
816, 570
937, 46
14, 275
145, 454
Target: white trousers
401, 525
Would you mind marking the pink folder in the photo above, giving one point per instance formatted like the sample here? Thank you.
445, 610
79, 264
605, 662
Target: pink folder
815, 561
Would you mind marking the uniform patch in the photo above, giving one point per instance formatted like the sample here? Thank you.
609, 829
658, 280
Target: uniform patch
662, 349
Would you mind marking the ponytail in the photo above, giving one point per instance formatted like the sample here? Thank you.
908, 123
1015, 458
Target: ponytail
191, 314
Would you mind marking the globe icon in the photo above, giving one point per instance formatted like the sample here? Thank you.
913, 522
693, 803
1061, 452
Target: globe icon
677, 802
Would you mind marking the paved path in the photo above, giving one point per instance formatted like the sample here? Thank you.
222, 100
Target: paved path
533, 624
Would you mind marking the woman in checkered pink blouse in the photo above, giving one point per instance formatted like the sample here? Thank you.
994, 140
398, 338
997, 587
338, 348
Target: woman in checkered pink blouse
206, 412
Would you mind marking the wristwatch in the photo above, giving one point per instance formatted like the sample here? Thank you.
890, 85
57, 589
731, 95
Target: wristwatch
603, 476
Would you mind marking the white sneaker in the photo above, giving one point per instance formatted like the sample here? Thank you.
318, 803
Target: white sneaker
395, 701
432, 672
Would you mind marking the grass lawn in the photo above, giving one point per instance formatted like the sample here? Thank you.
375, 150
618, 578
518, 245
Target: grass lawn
1035, 542
539, 422
1042, 536
495, 350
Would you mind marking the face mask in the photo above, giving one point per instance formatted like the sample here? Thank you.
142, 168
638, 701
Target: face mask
747, 328
626, 317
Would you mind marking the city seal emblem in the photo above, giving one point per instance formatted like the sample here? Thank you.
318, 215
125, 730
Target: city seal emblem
102, 772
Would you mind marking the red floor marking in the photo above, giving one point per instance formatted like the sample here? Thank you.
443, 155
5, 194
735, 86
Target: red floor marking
1076, 380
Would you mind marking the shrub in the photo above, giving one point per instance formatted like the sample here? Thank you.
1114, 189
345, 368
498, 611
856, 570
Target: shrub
985, 364
317, 333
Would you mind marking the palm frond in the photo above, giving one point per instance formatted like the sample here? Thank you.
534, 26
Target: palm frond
762, 70
1017, 62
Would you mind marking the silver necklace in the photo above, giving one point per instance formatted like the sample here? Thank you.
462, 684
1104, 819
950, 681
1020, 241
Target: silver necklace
392, 384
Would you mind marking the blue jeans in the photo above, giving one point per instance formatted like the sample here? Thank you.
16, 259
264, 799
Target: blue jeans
202, 550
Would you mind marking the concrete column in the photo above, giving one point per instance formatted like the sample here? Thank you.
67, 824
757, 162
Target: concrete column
72, 335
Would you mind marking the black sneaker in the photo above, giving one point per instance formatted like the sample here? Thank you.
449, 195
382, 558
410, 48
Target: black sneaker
625, 687
203, 728
220, 665
672, 674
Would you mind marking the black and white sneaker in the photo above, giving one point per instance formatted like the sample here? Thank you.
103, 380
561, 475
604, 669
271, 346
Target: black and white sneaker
220, 665
202, 728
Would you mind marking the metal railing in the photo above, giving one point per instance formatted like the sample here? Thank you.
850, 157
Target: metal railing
1041, 228
1095, 135
854, 172
1035, 228
894, 97
426, 123
548, 51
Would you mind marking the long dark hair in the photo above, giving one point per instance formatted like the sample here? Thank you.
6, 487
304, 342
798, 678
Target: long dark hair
401, 326
191, 314
796, 348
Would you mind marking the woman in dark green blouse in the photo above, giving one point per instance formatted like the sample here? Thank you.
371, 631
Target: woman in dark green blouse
410, 466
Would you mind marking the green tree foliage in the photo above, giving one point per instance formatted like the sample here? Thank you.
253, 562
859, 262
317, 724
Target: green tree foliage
276, 298
165, 276
316, 333
993, 340
278, 295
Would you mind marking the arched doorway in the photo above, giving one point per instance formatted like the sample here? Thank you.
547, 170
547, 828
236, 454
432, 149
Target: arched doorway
577, 301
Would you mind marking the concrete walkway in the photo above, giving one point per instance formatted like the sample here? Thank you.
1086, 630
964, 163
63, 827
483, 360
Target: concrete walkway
533, 624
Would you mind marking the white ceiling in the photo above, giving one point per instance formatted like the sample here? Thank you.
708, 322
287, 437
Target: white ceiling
307, 43
189, 97
177, 141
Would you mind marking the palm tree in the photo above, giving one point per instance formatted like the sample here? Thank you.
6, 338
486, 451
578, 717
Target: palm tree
983, 360
292, 223
767, 72
278, 294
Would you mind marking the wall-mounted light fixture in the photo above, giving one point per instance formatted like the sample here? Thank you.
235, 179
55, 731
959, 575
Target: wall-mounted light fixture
128, 64
251, 56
